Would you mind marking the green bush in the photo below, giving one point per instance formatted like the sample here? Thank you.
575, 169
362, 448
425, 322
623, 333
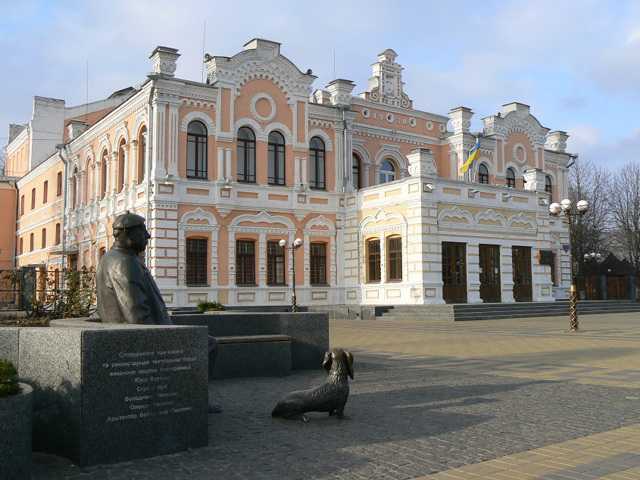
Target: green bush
9, 385
210, 306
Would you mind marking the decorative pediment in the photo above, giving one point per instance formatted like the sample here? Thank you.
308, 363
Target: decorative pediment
386, 86
101, 231
522, 221
491, 218
516, 117
455, 215
393, 218
260, 59
198, 216
262, 219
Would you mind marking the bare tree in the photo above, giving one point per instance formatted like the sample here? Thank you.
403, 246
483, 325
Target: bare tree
589, 232
624, 206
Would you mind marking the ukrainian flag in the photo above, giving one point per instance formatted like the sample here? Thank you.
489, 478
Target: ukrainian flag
474, 153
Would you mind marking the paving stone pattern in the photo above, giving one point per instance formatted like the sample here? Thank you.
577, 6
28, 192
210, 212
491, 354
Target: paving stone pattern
407, 419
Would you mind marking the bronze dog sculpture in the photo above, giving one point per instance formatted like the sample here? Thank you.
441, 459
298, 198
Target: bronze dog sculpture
329, 397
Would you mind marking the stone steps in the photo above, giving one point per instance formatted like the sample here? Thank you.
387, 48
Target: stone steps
486, 311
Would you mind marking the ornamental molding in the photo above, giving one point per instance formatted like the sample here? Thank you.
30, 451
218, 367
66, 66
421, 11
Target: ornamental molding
262, 63
313, 122
328, 144
514, 121
491, 216
197, 215
141, 120
382, 133
382, 228
203, 117
282, 128
86, 236
262, 217
383, 216
197, 103
164, 206
272, 104
455, 214
526, 221
320, 221
101, 231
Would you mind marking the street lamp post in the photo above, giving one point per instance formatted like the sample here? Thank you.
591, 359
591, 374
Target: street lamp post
297, 243
556, 209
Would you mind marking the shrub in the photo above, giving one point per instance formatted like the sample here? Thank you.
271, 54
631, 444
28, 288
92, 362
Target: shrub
9, 385
210, 306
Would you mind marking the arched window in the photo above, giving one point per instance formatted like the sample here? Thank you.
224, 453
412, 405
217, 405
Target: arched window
547, 186
356, 171
103, 174
483, 174
246, 155
276, 159
196, 150
316, 164
387, 172
58, 234
511, 178
142, 154
44, 238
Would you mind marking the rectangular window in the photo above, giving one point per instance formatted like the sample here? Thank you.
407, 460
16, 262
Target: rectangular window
31, 242
394, 258
196, 261
59, 184
22, 205
33, 198
275, 264
318, 264
58, 236
45, 191
373, 261
44, 238
245, 262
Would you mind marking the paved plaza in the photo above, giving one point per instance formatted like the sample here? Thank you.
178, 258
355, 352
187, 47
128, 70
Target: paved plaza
495, 399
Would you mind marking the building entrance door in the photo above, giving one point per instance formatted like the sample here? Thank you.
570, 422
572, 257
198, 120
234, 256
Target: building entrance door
521, 262
490, 273
454, 272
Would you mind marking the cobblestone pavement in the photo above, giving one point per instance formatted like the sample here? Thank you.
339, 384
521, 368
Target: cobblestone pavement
486, 399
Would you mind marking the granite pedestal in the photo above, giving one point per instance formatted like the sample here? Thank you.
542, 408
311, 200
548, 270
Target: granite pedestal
110, 393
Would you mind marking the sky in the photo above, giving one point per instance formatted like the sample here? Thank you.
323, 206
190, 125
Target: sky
576, 63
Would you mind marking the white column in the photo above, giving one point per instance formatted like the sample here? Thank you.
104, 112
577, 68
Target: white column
304, 177
227, 158
172, 144
220, 164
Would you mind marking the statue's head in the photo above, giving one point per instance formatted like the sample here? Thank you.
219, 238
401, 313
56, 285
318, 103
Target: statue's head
129, 229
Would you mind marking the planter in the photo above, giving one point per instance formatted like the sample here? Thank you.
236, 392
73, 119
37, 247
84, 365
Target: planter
16, 415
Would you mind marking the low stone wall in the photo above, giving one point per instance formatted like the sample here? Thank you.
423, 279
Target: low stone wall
111, 393
309, 332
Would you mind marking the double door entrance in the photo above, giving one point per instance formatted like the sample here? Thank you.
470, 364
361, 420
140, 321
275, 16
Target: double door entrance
490, 273
454, 273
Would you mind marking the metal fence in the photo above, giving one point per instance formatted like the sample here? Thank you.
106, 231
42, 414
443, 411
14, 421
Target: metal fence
9, 291
49, 290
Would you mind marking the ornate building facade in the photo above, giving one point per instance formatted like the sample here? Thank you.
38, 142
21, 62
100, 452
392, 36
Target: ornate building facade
226, 169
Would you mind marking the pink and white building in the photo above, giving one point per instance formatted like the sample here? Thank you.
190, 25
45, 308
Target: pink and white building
223, 170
